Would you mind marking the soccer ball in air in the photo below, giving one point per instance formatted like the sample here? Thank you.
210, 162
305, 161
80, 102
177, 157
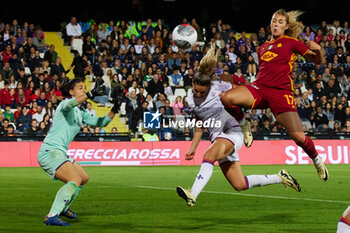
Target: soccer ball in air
184, 36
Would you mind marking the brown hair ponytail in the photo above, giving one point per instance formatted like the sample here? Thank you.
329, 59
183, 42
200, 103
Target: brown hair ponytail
206, 67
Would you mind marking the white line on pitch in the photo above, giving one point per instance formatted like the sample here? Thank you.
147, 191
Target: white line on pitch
254, 195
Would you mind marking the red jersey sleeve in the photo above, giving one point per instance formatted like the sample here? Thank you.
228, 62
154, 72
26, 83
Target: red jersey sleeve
300, 47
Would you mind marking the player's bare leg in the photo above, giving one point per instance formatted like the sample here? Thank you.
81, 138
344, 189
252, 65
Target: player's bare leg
234, 175
218, 150
67, 174
242, 97
292, 122
84, 179
239, 95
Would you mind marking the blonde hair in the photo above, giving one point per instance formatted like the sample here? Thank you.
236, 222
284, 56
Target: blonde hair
295, 26
206, 67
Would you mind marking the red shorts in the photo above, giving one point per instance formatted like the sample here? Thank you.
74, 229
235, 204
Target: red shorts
278, 100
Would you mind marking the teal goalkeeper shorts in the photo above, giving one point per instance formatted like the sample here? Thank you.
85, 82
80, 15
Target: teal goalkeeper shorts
52, 159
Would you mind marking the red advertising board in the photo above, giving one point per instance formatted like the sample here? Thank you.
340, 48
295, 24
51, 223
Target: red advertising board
23, 154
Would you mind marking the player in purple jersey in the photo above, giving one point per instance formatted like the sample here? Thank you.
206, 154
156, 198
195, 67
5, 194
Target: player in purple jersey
226, 137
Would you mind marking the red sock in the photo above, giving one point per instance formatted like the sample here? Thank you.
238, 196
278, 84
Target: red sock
309, 147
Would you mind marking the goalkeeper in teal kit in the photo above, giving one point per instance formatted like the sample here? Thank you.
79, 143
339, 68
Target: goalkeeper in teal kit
52, 155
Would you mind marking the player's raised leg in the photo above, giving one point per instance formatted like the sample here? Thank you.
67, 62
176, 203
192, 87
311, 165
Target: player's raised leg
292, 122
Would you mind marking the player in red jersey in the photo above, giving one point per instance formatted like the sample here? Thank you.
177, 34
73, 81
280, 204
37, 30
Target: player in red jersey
274, 87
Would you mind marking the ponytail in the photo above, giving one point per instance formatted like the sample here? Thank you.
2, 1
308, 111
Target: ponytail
206, 67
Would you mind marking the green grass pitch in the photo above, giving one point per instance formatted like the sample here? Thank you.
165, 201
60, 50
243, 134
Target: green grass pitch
143, 199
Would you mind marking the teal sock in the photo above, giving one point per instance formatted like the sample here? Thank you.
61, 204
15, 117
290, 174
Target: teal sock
63, 197
74, 196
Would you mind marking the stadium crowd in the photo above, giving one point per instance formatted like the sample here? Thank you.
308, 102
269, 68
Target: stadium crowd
140, 59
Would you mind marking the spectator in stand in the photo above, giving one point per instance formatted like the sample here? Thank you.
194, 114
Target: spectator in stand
6, 54
346, 128
330, 35
51, 55
346, 116
22, 98
169, 111
137, 116
42, 129
328, 111
73, 30
177, 105
12, 98
176, 79
302, 110
242, 39
168, 91
6, 71
336, 27
141, 95
226, 76
8, 114
336, 127
23, 121
33, 108
39, 41
160, 100
39, 115
2, 82
318, 36
308, 34
151, 103
49, 110
173, 61
155, 86
33, 129
81, 66
320, 119
238, 77
318, 91
5, 126
262, 35
219, 70
42, 101
130, 107
5, 95
10, 131
332, 87
90, 109
252, 68
17, 112
102, 32
148, 29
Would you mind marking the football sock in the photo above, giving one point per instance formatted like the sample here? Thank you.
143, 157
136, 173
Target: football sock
203, 177
317, 159
309, 147
63, 197
261, 180
74, 196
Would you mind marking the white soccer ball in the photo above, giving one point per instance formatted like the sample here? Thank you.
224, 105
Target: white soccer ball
184, 36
